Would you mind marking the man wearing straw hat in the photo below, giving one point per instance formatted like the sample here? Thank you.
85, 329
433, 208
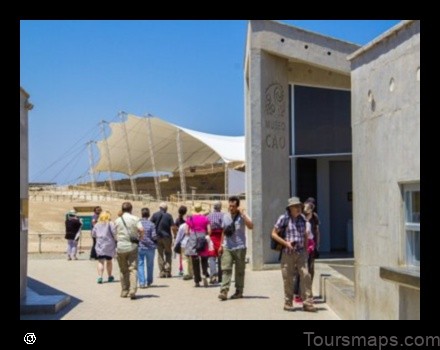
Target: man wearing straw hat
294, 253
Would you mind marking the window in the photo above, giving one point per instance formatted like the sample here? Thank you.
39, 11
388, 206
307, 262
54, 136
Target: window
411, 197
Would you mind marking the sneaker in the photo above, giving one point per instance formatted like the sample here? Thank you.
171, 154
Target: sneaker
110, 279
205, 282
99, 280
162, 275
309, 308
124, 294
142, 286
223, 295
298, 299
213, 280
288, 306
237, 295
197, 285
132, 296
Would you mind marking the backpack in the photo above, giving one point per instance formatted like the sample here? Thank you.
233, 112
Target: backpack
274, 245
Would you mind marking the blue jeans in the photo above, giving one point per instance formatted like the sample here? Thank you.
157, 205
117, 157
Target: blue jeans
148, 256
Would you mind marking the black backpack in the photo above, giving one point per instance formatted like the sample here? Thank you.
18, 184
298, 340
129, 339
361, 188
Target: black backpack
274, 245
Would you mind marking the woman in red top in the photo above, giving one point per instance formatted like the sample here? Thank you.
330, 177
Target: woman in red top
198, 228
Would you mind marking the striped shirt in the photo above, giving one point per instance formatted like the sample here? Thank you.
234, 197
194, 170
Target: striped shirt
148, 240
216, 220
295, 230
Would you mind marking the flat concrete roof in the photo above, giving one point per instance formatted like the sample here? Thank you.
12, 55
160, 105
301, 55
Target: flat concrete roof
315, 33
295, 43
380, 38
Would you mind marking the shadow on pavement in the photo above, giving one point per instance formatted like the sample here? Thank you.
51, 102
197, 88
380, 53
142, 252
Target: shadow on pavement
143, 296
44, 289
254, 297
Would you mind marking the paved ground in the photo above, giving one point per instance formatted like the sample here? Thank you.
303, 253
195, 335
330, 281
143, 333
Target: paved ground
170, 298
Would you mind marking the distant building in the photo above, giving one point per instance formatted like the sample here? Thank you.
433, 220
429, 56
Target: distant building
25, 106
341, 123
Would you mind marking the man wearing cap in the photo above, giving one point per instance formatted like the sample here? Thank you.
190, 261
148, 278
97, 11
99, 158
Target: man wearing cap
73, 231
294, 253
164, 224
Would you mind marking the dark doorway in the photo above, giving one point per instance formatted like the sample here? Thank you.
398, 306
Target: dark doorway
341, 206
306, 178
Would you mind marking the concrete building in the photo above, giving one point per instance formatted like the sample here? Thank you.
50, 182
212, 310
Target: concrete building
25, 106
32, 295
328, 119
385, 82
298, 134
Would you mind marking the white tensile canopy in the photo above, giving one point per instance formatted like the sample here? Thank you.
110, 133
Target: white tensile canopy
196, 148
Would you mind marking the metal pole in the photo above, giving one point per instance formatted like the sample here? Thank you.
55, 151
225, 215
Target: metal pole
107, 153
153, 162
130, 171
180, 159
226, 180
92, 172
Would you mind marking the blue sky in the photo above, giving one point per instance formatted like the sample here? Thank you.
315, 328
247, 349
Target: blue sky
187, 72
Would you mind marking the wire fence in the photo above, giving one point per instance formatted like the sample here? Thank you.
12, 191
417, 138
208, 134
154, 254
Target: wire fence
74, 196
50, 242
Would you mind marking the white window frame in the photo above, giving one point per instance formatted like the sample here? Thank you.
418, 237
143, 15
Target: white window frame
409, 225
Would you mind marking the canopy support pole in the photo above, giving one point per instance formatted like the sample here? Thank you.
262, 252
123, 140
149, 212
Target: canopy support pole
180, 159
91, 161
226, 179
130, 170
107, 154
153, 162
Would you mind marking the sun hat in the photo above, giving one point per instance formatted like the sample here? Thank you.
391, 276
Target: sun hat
198, 209
293, 201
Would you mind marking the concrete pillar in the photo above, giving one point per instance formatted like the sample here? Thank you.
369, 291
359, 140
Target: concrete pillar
25, 106
267, 150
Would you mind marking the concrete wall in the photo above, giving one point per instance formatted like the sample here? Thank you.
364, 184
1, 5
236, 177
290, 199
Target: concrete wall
25, 106
386, 153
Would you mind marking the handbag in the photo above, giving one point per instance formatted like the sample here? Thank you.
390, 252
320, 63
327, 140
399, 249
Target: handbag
200, 243
178, 248
230, 229
134, 240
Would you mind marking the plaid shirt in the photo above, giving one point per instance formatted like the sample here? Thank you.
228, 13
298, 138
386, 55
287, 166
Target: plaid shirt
295, 231
216, 220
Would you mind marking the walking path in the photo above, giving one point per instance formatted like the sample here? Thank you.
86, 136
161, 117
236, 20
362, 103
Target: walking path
170, 298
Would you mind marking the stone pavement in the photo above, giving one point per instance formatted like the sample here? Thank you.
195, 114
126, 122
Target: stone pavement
170, 298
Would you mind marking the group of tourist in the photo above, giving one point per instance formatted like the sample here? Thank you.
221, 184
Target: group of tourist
209, 245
